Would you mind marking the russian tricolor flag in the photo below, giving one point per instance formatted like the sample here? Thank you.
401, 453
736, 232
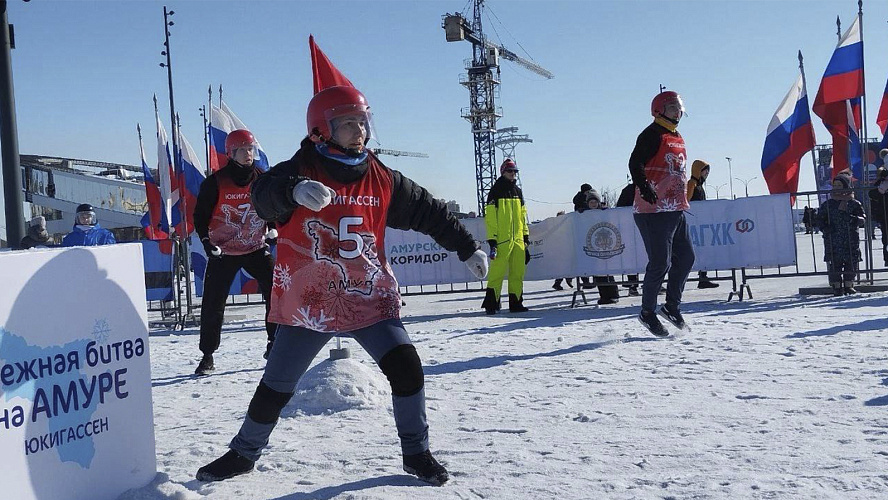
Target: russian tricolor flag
166, 176
190, 177
790, 136
155, 220
882, 122
223, 121
842, 81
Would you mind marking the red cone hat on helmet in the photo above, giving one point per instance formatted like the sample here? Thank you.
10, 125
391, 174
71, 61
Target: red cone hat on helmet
325, 74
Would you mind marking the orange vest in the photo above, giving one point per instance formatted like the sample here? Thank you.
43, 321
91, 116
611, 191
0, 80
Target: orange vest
666, 171
331, 274
235, 227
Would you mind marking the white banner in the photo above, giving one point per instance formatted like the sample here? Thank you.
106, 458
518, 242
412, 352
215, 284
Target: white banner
76, 416
747, 232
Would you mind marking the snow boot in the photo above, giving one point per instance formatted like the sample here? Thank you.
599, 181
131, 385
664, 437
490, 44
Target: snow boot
707, 284
490, 304
205, 366
650, 321
848, 288
227, 466
570, 281
837, 289
557, 285
426, 468
633, 291
673, 316
516, 305
268, 349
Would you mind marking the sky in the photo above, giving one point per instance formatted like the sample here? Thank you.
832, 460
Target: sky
782, 396
85, 72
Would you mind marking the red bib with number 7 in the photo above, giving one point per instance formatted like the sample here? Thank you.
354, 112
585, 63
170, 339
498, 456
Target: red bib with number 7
331, 274
235, 227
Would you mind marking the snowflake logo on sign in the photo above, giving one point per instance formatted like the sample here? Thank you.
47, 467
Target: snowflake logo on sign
101, 331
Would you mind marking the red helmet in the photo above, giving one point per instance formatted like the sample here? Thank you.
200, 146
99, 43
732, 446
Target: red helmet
658, 105
508, 163
239, 139
331, 103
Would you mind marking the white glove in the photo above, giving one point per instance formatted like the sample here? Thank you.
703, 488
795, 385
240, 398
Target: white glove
313, 195
271, 234
477, 264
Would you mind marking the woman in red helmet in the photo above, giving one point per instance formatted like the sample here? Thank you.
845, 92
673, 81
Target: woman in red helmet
658, 168
332, 202
234, 238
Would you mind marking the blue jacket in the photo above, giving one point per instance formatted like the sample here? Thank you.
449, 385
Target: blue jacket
96, 235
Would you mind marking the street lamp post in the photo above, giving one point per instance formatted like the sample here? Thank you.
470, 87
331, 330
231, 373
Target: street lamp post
717, 188
746, 184
730, 176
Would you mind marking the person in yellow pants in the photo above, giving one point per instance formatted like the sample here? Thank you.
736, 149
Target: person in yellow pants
505, 217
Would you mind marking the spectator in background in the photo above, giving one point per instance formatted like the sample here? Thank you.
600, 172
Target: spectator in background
839, 218
87, 232
581, 198
508, 236
607, 292
879, 207
37, 235
699, 173
626, 199
806, 219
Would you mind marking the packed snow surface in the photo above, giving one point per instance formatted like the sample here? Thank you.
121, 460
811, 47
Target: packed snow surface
782, 396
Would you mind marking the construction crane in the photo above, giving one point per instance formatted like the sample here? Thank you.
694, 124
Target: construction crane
483, 87
395, 152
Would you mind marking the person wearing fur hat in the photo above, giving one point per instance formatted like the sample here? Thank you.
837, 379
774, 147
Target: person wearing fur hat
879, 207
839, 219
699, 173
37, 235
580, 199
505, 218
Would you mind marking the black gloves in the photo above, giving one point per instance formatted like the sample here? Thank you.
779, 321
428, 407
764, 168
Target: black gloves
647, 192
210, 249
492, 253
526, 250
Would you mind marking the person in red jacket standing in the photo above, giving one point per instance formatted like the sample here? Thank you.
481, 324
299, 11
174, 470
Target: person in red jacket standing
234, 238
658, 168
333, 201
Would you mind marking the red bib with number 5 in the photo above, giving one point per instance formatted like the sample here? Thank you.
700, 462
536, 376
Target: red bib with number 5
331, 274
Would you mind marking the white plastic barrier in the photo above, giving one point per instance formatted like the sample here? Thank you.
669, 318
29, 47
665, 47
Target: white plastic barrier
747, 232
75, 380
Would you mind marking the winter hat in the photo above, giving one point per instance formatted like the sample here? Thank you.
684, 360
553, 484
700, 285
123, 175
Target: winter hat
585, 187
592, 195
507, 163
842, 180
39, 221
881, 174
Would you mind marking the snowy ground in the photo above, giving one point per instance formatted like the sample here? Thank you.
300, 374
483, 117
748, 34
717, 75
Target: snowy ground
783, 396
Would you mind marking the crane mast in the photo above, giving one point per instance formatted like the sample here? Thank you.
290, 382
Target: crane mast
482, 80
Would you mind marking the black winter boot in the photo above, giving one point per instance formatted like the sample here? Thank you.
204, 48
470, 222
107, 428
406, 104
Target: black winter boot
516, 305
848, 288
205, 366
490, 304
425, 467
228, 465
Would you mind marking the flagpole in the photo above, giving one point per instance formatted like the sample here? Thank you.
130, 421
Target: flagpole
183, 202
865, 141
203, 114
167, 214
220, 95
805, 83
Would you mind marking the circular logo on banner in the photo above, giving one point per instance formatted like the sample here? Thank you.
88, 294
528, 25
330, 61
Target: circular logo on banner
603, 241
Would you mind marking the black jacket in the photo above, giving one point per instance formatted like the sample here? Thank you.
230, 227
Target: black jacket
411, 206
209, 193
646, 146
878, 205
579, 201
627, 196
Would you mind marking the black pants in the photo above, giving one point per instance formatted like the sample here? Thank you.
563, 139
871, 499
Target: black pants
669, 250
606, 290
884, 242
841, 272
217, 281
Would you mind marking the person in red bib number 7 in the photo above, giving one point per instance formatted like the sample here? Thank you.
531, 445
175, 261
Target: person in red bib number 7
332, 202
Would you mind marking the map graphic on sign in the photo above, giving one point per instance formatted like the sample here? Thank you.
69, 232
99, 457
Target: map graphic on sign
328, 247
17, 352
